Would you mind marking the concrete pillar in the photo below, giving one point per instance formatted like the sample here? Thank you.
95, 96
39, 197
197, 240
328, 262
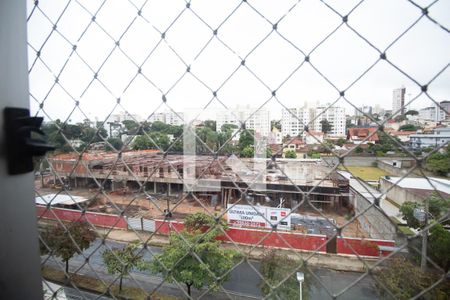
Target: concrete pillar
154, 187
169, 190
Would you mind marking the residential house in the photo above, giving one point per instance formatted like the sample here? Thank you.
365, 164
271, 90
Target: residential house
363, 135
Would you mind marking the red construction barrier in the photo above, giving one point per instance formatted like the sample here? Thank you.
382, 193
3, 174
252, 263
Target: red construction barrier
99, 219
276, 239
279, 239
163, 227
294, 240
367, 247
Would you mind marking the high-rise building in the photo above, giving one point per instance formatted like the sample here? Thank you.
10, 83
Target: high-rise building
294, 120
436, 113
334, 115
255, 119
174, 118
365, 109
398, 101
157, 116
167, 117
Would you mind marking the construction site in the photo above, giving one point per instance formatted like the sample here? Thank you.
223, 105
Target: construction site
148, 184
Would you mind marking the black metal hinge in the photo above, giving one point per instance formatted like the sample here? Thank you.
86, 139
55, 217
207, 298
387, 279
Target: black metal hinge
21, 146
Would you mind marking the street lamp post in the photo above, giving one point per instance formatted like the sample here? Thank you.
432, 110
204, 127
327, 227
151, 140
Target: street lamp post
300, 279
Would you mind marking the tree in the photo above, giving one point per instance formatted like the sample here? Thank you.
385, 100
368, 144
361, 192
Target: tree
228, 127
290, 154
439, 163
209, 140
120, 261
211, 124
439, 246
268, 152
275, 268
349, 124
313, 154
326, 126
154, 140
246, 139
275, 124
437, 207
405, 280
93, 134
340, 142
206, 262
247, 152
223, 139
438, 241
412, 112
116, 144
408, 127
407, 210
66, 243
131, 126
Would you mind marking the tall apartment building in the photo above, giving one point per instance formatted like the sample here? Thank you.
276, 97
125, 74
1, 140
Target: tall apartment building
167, 117
258, 120
294, 119
334, 115
173, 118
365, 109
124, 116
157, 116
398, 101
435, 113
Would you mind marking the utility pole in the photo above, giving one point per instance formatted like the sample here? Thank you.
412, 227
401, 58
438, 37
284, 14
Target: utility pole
423, 261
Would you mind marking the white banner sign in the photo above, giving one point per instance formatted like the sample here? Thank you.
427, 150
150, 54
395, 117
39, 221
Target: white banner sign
259, 216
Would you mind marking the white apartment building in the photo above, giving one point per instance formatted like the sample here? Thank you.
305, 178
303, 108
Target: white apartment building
168, 117
275, 137
435, 113
173, 118
258, 120
113, 124
161, 117
398, 101
294, 119
124, 116
335, 116
429, 114
365, 109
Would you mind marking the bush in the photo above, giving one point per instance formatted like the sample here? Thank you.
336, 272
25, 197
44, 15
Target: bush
379, 154
405, 280
290, 154
275, 268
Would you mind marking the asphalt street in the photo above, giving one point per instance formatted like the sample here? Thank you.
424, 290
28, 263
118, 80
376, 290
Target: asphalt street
244, 282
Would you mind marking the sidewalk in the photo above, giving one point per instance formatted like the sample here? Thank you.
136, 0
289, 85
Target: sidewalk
338, 262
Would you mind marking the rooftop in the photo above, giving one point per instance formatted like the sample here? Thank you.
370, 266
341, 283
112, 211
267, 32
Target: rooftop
54, 199
422, 185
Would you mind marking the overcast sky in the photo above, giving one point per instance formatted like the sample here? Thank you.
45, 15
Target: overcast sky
422, 53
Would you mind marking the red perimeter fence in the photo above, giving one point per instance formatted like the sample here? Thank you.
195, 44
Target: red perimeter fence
266, 238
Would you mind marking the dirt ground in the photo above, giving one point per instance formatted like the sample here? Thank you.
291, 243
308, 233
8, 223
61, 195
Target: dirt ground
137, 205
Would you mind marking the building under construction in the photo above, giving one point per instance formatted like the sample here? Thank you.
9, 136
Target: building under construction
221, 179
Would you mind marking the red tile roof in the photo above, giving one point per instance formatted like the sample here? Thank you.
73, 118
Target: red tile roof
363, 133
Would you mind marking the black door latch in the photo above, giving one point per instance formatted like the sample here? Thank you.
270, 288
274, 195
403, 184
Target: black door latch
21, 146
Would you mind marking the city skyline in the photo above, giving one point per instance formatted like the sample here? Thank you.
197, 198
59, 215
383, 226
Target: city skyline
275, 64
